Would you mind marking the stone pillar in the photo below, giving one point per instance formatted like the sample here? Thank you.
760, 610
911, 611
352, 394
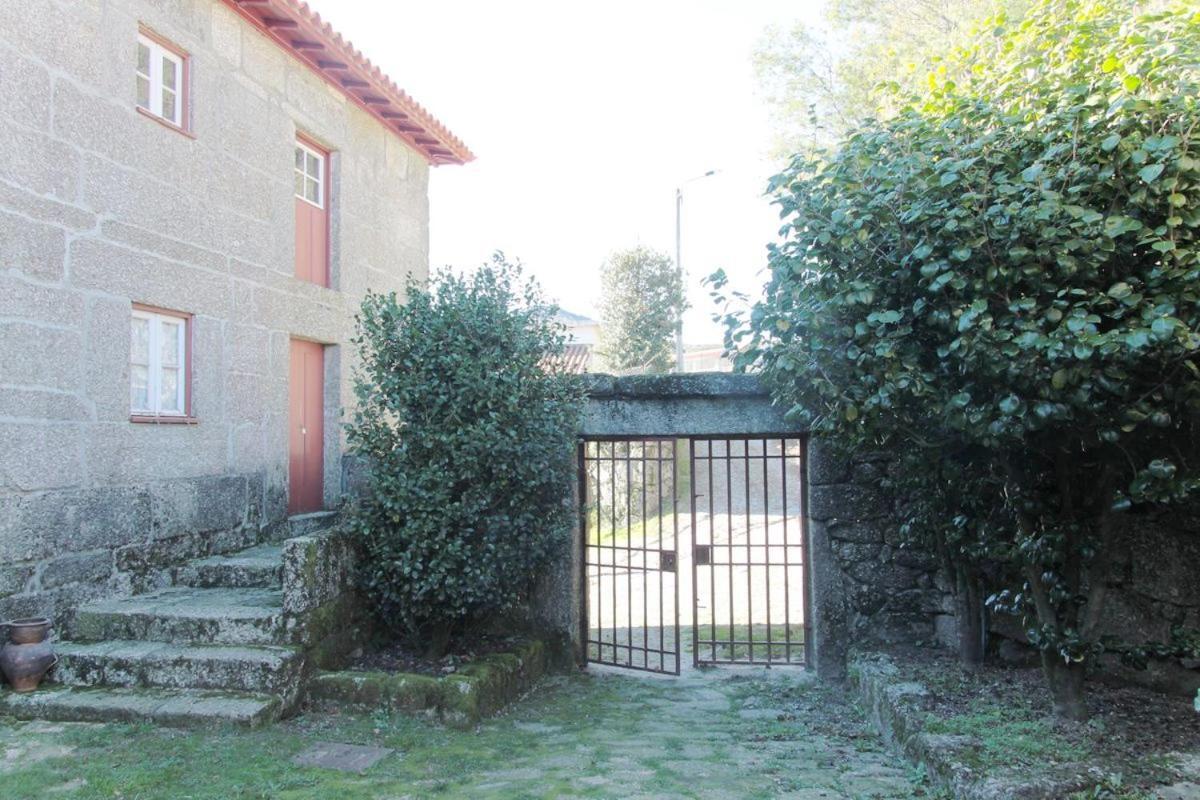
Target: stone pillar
829, 609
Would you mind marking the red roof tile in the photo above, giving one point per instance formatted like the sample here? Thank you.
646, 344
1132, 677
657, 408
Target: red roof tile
298, 29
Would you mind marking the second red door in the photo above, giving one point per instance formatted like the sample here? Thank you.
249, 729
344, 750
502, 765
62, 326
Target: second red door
306, 437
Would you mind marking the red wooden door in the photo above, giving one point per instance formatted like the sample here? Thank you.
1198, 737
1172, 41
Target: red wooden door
306, 435
312, 243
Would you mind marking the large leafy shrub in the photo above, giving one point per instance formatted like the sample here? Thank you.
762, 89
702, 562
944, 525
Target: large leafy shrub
467, 436
1002, 279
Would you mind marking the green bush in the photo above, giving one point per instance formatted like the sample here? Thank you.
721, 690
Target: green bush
467, 437
1004, 278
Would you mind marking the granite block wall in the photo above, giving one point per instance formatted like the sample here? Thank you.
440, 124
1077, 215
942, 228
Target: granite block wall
102, 207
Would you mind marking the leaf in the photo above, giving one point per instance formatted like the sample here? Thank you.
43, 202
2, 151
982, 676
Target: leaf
1119, 291
1131, 83
1010, 404
948, 178
1059, 379
1163, 327
1031, 174
1110, 142
1150, 172
851, 413
1110, 64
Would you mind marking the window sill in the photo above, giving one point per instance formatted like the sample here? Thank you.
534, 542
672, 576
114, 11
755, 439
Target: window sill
165, 123
164, 419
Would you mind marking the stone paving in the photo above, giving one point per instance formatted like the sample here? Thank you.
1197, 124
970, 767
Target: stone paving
721, 734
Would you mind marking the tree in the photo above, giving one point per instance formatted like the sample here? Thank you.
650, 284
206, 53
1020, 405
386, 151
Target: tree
468, 443
641, 304
821, 80
1004, 276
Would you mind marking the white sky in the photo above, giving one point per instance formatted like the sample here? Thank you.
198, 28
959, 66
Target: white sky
584, 119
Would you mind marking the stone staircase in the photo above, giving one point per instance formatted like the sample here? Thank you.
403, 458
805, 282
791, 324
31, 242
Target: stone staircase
217, 646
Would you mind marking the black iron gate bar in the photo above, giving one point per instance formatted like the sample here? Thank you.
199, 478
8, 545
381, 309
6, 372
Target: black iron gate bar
591, 452
706, 555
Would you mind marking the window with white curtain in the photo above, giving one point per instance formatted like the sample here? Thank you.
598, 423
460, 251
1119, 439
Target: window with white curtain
160, 80
158, 368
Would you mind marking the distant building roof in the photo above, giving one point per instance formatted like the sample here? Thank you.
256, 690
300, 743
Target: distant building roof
574, 359
571, 318
299, 30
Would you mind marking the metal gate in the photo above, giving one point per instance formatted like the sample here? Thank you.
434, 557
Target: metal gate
749, 594
631, 526
742, 574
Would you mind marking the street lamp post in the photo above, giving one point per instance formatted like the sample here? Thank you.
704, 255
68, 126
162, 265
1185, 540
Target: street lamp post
679, 263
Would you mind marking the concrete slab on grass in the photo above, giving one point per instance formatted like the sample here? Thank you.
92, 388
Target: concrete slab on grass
343, 757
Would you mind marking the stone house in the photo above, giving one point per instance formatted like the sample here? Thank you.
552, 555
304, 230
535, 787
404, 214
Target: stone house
196, 196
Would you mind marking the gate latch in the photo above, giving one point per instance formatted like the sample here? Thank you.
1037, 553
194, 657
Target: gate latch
666, 560
703, 554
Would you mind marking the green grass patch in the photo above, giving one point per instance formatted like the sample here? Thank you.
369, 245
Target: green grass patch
1007, 737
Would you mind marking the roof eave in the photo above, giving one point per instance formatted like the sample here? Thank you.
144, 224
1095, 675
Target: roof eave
300, 31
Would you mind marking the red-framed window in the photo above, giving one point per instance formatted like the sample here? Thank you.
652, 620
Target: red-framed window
163, 81
312, 211
160, 365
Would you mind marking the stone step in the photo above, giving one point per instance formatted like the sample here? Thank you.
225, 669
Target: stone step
186, 615
258, 567
174, 707
263, 669
309, 524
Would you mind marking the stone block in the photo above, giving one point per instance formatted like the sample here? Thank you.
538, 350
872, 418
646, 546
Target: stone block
1165, 564
862, 532
146, 278
92, 567
249, 350
39, 456
845, 503
945, 630
855, 552
42, 356
46, 209
317, 570
125, 453
29, 405
27, 524
23, 300
14, 577
138, 238
38, 163
34, 249
24, 91
1133, 619
106, 366
109, 517
79, 40
827, 464
89, 121
227, 34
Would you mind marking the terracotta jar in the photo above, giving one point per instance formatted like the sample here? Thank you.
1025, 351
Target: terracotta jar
29, 655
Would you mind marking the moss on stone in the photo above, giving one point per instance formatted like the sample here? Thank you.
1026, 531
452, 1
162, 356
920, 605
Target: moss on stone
479, 690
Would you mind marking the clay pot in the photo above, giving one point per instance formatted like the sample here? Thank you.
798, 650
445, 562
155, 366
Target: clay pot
28, 656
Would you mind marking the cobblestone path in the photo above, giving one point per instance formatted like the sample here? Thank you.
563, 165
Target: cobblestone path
720, 734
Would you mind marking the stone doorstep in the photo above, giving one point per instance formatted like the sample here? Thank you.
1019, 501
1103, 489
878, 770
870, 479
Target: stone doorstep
170, 707
267, 670
257, 567
186, 615
312, 523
